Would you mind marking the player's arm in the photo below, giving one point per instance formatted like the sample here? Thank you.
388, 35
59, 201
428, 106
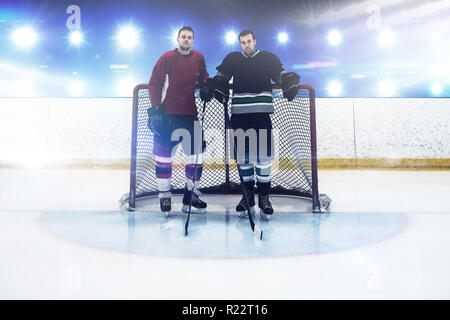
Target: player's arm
289, 80
205, 84
203, 70
156, 86
275, 68
158, 81
225, 71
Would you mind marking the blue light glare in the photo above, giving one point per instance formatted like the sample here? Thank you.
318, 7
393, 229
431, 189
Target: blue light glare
40, 53
24, 37
436, 89
334, 37
76, 88
231, 37
386, 38
386, 88
283, 37
76, 38
127, 37
334, 89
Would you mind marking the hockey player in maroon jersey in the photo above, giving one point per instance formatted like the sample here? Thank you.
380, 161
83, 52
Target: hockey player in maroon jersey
171, 89
251, 105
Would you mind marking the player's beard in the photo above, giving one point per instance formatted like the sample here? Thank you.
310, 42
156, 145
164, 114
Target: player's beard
249, 52
185, 47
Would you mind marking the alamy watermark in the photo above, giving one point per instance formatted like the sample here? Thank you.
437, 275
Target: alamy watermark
73, 22
251, 144
373, 22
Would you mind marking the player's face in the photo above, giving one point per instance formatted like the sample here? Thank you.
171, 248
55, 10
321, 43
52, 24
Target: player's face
185, 40
248, 44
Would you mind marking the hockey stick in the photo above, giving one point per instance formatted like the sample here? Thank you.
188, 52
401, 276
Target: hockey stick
186, 225
257, 230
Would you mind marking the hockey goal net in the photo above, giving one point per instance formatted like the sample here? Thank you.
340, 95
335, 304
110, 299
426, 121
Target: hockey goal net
294, 169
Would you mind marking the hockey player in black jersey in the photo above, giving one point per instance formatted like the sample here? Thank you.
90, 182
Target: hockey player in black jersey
251, 105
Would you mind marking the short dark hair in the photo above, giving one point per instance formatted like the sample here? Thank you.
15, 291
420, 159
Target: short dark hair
188, 28
246, 32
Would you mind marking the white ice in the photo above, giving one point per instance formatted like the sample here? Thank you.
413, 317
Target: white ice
37, 263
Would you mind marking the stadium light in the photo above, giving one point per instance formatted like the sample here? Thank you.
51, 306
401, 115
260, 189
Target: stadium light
6, 67
283, 37
386, 88
24, 37
436, 38
24, 88
76, 38
127, 37
334, 37
231, 37
125, 87
76, 88
386, 38
334, 89
174, 37
436, 89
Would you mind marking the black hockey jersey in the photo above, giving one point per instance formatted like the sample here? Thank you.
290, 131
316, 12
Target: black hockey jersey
252, 88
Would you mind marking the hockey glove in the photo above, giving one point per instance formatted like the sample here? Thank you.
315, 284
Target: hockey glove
221, 89
206, 90
289, 82
156, 119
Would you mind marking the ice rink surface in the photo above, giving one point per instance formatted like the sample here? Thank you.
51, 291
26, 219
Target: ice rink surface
63, 236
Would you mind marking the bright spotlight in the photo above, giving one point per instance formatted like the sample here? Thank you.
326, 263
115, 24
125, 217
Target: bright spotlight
24, 88
386, 88
76, 38
76, 88
386, 38
283, 37
334, 89
24, 37
125, 87
127, 37
436, 38
231, 37
436, 89
174, 37
334, 37
6, 67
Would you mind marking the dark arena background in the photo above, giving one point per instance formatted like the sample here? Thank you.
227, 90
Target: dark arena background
359, 178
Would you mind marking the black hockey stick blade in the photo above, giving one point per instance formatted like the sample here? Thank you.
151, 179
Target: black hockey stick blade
186, 225
258, 232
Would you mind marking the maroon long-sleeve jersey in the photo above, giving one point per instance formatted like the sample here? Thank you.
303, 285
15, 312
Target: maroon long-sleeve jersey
173, 81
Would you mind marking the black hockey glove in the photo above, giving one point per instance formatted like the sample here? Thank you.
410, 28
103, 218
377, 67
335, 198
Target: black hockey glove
206, 90
156, 119
289, 82
221, 89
